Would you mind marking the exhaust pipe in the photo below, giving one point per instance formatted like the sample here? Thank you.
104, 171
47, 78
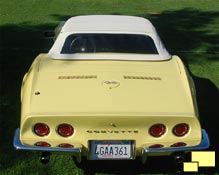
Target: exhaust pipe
179, 158
45, 157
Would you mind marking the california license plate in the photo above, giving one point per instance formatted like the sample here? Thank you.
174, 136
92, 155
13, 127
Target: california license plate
111, 150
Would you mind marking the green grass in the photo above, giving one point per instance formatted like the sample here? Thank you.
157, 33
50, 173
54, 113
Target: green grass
189, 29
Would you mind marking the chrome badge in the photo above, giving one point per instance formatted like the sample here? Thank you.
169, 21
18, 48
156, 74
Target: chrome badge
111, 84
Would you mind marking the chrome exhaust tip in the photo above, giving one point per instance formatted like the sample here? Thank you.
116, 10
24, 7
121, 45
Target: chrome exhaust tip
179, 158
45, 157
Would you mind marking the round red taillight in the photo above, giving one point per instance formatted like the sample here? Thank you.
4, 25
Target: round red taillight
157, 130
66, 145
42, 144
41, 129
181, 129
65, 130
178, 144
156, 146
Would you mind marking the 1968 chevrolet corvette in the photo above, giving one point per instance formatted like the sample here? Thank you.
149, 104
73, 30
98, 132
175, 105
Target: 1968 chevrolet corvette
108, 89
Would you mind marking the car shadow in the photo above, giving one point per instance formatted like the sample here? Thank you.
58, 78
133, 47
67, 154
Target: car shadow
208, 103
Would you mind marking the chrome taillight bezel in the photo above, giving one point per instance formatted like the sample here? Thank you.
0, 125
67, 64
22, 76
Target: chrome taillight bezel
181, 134
156, 146
178, 144
42, 144
63, 133
160, 133
66, 145
36, 129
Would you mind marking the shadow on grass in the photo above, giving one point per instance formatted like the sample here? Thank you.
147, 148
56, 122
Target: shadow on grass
188, 30
185, 32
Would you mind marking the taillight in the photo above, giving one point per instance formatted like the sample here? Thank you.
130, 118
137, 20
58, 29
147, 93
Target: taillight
181, 129
179, 144
156, 146
157, 130
66, 145
65, 130
42, 144
41, 129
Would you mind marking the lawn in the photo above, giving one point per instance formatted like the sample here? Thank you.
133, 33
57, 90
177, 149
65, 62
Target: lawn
189, 29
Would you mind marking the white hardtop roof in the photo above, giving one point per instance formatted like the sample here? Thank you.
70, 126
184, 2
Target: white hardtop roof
108, 24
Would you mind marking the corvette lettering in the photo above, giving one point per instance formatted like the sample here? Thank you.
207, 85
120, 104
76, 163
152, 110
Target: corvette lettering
112, 131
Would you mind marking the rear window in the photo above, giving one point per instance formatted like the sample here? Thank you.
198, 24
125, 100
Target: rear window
109, 43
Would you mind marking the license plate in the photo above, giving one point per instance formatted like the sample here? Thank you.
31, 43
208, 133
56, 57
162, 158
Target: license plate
111, 150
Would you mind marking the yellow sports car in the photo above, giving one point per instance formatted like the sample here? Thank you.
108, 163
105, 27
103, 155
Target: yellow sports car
108, 89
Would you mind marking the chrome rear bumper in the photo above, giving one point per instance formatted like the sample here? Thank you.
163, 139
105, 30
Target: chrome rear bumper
77, 152
19, 146
205, 143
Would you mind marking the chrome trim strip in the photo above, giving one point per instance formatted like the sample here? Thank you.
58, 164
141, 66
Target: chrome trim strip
205, 143
19, 146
